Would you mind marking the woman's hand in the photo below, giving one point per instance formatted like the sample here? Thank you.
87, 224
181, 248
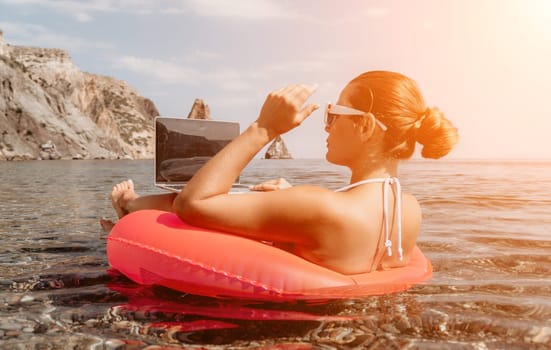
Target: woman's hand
271, 185
283, 111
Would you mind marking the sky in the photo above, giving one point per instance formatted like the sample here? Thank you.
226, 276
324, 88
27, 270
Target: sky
484, 63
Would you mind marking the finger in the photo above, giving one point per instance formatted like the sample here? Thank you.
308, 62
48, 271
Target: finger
307, 90
255, 188
311, 88
269, 187
301, 93
263, 188
285, 89
293, 89
307, 111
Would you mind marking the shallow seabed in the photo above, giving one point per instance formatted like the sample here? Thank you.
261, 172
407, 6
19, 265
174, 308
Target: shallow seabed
486, 229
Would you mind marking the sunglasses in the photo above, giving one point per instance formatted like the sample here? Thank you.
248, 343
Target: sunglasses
334, 111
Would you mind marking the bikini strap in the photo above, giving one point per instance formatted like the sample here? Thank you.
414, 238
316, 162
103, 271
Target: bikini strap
398, 210
387, 183
363, 182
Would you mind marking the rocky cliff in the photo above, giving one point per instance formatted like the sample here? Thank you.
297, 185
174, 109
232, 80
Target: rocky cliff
277, 150
50, 109
199, 110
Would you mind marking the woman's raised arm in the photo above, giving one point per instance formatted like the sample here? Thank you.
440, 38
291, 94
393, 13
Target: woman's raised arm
205, 200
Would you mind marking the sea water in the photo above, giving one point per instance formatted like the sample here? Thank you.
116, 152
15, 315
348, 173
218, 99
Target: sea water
486, 229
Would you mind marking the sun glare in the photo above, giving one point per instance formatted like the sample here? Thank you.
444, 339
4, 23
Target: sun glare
537, 14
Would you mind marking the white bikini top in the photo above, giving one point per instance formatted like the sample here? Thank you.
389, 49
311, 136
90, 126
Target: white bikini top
387, 182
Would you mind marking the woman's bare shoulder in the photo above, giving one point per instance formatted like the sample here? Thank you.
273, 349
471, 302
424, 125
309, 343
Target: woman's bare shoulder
411, 220
411, 205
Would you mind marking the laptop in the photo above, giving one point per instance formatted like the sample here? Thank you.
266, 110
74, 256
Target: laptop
183, 146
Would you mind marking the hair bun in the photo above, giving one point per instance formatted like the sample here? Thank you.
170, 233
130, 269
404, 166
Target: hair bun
436, 133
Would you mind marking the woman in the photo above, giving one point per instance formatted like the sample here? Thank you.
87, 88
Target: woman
368, 225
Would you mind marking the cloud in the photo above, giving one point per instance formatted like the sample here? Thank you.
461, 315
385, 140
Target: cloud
200, 56
166, 71
360, 16
377, 12
210, 67
220, 76
32, 34
83, 17
84, 11
242, 9
171, 72
312, 65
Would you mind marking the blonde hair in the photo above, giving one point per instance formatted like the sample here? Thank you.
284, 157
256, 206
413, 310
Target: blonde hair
396, 100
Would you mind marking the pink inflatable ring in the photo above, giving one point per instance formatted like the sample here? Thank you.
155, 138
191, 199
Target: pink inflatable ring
156, 248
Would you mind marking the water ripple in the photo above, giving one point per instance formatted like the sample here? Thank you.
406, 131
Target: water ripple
486, 230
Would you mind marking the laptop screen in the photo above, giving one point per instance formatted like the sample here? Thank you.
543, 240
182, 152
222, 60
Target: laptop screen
183, 146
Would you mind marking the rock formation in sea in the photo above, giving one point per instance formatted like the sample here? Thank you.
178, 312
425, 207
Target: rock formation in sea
278, 150
199, 110
50, 109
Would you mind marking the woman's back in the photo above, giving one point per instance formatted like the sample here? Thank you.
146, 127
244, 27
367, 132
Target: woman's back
355, 238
